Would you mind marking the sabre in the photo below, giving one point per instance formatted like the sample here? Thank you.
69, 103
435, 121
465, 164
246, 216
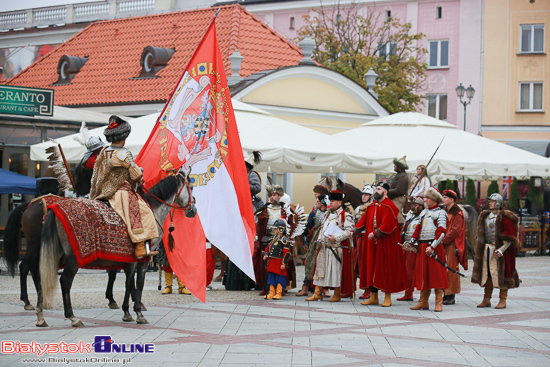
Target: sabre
434, 255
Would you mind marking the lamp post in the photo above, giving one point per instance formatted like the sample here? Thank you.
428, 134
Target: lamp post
469, 94
460, 90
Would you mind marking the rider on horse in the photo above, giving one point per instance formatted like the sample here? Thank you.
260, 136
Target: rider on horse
114, 178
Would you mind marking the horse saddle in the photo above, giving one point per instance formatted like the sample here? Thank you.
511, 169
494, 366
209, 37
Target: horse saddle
95, 231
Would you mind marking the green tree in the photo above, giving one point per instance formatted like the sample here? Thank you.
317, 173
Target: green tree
350, 42
513, 202
535, 194
493, 188
441, 186
471, 197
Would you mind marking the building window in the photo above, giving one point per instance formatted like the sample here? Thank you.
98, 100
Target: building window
292, 23
530, 96
386, 49
388, 15
438, 54
437, 106
438, 12
531, 38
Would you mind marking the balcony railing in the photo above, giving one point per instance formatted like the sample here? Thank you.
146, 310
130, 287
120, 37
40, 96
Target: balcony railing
67, 14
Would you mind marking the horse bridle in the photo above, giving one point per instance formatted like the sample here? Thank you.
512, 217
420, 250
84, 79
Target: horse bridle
175, 206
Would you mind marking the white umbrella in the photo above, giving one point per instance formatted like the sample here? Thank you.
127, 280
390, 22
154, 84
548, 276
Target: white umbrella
285, 147
461, 153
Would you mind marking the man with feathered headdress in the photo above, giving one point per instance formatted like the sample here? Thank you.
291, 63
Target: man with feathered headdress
114, 178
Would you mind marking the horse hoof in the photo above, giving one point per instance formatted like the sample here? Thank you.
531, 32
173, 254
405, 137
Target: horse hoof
142, 321
42, 323
143, 307
127, 318
113, 306
29, 307
77, 324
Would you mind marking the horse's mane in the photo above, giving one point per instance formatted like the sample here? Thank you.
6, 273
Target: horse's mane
163, 190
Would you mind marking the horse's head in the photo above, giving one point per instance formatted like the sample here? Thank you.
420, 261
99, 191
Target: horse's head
185, 199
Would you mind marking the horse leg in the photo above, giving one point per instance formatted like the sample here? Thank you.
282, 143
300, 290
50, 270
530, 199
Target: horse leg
140, 277
23, 273
109, 292
66, 281
129, 271
133, 294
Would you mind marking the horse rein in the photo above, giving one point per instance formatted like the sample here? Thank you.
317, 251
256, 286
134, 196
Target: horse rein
173, 206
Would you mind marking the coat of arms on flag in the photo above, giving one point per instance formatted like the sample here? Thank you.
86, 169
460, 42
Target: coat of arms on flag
506, 184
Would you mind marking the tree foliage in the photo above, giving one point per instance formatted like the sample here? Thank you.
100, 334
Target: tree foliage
471, 197
513, 203
493, 188
535, 194
351, 42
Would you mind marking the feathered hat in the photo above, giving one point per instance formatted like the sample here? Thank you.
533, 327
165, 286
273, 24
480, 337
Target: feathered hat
274, 188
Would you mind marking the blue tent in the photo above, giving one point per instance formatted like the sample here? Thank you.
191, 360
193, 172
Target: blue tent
14, 183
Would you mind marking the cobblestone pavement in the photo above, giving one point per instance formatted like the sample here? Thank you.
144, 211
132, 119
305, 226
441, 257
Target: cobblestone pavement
241, 329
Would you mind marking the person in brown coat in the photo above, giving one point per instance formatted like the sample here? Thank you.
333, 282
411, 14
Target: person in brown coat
495, 256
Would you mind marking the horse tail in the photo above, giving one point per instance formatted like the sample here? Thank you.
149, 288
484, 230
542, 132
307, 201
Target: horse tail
49, 257
12, 236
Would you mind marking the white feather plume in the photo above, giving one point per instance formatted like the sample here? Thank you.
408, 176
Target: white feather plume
84, 135
301, 221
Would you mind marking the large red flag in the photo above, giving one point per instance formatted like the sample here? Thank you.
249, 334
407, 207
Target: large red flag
197, 130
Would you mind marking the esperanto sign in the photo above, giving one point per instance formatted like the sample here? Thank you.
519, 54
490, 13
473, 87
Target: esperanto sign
26, 101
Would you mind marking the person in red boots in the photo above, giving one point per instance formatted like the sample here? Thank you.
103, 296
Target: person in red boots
383, 258
277, 256
359, 238
411, 221
429, 273
495, 258
454, 242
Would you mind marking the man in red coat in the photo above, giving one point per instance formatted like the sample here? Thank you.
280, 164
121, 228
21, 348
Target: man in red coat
428, 273
495, 258
383, 264
454, 243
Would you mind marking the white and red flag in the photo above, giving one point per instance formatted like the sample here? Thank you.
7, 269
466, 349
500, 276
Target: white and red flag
197, 130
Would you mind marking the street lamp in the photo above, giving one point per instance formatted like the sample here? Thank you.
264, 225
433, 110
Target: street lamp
460, 90
469, 94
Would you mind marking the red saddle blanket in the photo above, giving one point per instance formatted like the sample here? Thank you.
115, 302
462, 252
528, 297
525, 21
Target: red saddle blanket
95, 231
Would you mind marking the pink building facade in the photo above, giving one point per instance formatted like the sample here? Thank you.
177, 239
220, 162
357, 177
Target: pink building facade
453, 38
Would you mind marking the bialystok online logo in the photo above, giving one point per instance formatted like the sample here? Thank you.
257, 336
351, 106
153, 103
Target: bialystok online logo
101, 344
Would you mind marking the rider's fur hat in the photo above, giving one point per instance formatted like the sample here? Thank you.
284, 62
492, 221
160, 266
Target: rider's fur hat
401, 163
433, 193
117, 130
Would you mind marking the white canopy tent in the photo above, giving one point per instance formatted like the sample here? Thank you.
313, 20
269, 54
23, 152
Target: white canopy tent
285, 147
417, 136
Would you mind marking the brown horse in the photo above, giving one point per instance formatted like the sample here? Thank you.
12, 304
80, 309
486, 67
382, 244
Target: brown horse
172, 192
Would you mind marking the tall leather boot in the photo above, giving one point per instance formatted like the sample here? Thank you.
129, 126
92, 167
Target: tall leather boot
487, 295
337, 295
168, 280
423, 301
366, 294
387, 300
182, 289
317, 295
438, 300
271, 293
408, 295
373, 300
503, 295
279, 294
304, 291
